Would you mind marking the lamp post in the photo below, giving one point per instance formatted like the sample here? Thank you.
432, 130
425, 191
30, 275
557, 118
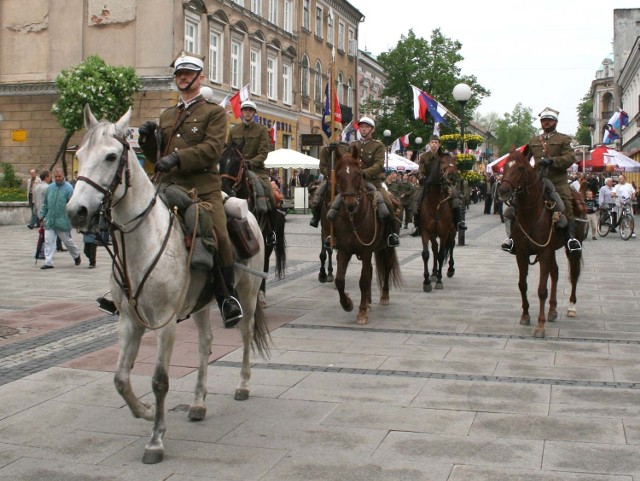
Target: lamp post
418, 142
387, 134
584, 149
462, 94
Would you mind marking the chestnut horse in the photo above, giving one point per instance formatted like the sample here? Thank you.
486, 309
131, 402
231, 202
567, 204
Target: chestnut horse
534, 232
436, 220
358, 230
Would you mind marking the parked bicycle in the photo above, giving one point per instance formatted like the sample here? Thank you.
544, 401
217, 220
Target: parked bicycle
625, 223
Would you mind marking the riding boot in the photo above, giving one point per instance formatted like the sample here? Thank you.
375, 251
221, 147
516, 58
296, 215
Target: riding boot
416, 224
316, 210
507, 244
394, 239
573, 244
271, 239
457, 220
227, 297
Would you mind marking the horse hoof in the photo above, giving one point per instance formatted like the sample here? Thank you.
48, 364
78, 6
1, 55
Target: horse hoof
241, 395
525, 321
427, 287
362, 319
384, 301
439, 285
330, 278
571, 312
539, 333
346, 304
552, 316
153, 455
197, 413
322, 278
451, 272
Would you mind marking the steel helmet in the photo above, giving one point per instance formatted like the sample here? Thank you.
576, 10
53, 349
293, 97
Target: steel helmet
248, 104
367, 120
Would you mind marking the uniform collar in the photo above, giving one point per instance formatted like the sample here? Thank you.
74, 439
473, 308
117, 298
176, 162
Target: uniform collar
187, 104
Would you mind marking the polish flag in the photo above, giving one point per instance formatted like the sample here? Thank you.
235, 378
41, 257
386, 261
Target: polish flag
404, 140
273, 133
237, 99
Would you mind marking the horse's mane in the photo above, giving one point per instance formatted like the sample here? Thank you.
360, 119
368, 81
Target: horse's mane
96, 133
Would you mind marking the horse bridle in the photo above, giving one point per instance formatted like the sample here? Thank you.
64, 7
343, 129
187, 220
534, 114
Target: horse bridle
237, 179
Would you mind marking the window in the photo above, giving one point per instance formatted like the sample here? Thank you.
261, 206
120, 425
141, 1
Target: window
236, 64
304, 77
317, 84
340, 89
273, 11
350, 93
341, 36
330, 27
305, 15
256, 7
191, 33
255, 60
286, 83
353, 44
272, 78
215, 56
288, 16
318, 30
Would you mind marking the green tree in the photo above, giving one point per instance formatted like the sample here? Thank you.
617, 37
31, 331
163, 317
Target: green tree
516, 128
108, 90
430, 65
585, 120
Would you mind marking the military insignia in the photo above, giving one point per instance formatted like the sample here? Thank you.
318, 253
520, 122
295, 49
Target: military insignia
194, 130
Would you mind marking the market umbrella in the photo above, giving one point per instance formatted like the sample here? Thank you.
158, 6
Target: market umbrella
290, 159
601, 157
40, 245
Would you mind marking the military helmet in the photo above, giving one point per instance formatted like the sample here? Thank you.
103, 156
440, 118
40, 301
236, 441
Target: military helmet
248, 104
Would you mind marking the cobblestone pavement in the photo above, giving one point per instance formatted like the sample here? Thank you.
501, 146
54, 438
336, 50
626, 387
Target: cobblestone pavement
438, 386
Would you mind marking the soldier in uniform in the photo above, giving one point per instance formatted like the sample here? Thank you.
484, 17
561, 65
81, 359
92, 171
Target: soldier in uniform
191, 136
253, 140
372, 157
429, 174
406, 189
553, 155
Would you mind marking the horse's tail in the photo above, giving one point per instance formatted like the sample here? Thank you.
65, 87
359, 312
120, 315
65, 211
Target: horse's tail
280, 247
261, 334
387, 263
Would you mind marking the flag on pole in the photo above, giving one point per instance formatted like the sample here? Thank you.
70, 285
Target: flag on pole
404, 140
237, 99
225, 101
396, 146
350, 132
618, 121
423, 103
326, 112
273, 133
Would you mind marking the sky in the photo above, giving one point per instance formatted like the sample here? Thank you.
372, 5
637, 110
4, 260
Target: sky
541, 53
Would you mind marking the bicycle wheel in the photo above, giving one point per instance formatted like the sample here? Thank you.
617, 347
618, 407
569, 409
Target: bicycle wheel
626, 226
604, 224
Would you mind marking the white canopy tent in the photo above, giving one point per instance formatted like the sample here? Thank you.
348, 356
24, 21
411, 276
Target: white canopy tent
290, 159
400, 164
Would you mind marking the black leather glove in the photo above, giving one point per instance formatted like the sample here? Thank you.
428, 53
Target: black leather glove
422, 181
546, 162
332, 147
165, 164
146, 130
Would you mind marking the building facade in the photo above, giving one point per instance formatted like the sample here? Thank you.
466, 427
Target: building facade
281, 49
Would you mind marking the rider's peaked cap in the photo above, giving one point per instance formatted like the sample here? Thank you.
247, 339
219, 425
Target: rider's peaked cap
368, 121
434, 137
549, 113
248, 104
187, 62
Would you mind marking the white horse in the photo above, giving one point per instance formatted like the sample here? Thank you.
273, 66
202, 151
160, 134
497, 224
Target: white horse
152, 284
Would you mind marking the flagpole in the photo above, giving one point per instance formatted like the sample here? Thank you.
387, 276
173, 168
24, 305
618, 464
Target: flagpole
333, 151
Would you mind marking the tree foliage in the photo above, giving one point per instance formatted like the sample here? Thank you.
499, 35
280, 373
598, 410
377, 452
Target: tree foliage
585, 120
108, 90
516, 128
430, 65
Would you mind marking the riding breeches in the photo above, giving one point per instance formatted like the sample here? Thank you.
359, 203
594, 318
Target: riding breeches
565, 194
387, 201
219, 218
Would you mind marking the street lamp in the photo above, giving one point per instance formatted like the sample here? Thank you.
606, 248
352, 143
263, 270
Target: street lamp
418, 142
462, 94
584, 149
387, 134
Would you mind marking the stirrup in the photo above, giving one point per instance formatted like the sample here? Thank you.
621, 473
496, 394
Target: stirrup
314, 222
107, 305
507, 245
393, 240
462, 225
271, 239
231, 312
573, 245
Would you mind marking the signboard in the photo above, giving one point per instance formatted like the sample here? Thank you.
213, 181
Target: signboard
19, 135
312, 139
131, 135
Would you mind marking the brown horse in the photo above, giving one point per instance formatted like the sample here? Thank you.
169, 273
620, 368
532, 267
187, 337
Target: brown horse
326, 249
358, 230
534, 233
436, 220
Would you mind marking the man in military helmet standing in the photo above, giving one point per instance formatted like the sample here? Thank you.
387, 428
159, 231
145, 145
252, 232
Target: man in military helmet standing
553, 155
253, 140
372, 157
191, 136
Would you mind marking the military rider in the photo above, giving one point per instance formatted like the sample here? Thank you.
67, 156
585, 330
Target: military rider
252, 139
552, 152
429, 174
191, 140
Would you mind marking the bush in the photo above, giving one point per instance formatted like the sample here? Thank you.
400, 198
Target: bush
9, 178
12, 194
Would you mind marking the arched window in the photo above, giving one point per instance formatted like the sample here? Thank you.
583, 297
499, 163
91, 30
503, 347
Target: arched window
304, 77
350, 93
317, 84
340, 88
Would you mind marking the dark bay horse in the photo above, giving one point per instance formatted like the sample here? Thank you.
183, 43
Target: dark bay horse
534, 233
436, 220
358, 231
326, 248
234, 172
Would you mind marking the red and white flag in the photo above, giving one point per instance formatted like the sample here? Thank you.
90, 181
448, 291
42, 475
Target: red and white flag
273, 133
404, 140
236, 100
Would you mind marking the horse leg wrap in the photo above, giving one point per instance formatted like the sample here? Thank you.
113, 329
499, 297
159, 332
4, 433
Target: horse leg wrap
332, 214
383, 210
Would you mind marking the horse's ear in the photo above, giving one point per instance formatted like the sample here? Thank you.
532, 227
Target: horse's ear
512, 149
527, 152
89, 118
355, 151
124, 121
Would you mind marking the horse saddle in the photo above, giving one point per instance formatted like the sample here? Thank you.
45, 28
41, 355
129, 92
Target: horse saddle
260, 197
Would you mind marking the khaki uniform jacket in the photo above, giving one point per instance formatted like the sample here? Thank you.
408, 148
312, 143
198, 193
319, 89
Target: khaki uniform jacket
405, 192
427, 163
559, 149
325, 158
255, 141
372, 160
198, 141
